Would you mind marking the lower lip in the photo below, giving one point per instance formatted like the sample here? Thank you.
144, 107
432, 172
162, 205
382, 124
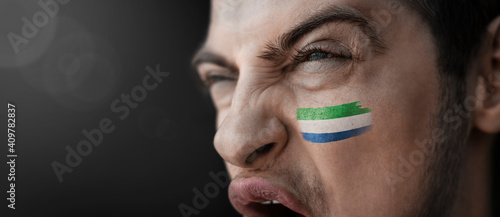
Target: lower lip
256, 190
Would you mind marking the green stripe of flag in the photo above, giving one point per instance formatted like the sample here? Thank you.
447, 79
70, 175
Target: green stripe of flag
339, 111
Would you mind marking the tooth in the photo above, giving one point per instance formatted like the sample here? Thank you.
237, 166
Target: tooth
276, 202
266, 202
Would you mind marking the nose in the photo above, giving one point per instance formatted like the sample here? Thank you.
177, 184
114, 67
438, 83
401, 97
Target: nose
250, 137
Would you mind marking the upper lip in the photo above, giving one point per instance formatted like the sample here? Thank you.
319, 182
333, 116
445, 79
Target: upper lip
247, 194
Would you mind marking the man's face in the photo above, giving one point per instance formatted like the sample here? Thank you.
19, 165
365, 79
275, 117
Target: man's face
265, 59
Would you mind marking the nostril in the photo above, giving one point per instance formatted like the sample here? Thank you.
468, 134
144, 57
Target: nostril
261, 150
265, 148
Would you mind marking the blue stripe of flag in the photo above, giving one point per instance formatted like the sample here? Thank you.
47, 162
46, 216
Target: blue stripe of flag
332, 137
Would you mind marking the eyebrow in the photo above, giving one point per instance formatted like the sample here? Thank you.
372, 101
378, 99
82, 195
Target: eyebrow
276, 50
204, 56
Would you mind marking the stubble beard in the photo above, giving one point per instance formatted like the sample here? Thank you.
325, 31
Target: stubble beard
443, 173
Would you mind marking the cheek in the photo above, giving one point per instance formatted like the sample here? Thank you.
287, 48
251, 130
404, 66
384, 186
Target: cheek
334, 123
222, 94
371, 172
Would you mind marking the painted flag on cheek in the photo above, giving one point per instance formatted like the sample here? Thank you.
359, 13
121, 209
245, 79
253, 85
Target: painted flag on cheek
334, 123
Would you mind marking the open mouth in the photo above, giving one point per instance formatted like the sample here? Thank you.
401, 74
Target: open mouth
259, 198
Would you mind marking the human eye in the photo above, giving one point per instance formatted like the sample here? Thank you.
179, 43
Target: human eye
322, 63
322, 51
317, 55
212, 77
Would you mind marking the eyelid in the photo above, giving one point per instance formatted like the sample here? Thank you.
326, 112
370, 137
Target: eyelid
334, 47
220, 72
205, 69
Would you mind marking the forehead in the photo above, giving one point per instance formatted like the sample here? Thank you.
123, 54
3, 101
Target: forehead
249, 24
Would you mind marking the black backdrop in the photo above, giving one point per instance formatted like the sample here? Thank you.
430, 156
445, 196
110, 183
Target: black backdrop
64, 80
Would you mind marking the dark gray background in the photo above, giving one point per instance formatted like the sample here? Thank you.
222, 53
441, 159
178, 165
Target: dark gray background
64, 80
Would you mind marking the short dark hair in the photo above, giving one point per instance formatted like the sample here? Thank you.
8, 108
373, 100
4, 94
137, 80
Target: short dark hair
459, 27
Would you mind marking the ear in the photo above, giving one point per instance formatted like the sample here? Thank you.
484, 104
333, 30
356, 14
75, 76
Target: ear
487, 115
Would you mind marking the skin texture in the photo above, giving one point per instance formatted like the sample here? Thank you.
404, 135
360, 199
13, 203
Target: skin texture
387, 171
